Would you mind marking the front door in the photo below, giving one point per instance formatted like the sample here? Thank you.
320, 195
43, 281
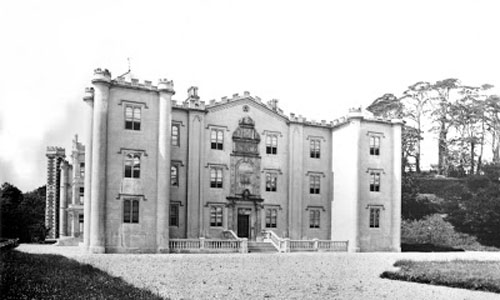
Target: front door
243, 225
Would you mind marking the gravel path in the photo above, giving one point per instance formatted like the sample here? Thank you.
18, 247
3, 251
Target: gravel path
271, 276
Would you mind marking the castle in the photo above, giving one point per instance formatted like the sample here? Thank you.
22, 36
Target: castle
157, 169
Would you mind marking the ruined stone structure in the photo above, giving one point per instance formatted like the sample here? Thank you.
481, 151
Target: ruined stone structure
159, 169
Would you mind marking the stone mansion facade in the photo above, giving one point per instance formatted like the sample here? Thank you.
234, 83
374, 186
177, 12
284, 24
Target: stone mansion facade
158, 169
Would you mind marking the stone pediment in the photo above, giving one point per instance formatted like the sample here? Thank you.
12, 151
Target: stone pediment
251, 102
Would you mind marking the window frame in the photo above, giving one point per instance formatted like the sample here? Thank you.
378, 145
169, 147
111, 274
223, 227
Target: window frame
217, 181
314, 184
132, 166
216, 218
82, 169
272, 144
81, 194
131, 211
132, 122
174, 214
315, 148
314, 219
375, 145
176, 177
374, 217
375, 180
217, 141
271, 182
178, 135
271, 217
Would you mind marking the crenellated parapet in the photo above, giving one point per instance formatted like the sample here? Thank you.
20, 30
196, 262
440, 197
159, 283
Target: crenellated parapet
101, 76
53, 151
167, 86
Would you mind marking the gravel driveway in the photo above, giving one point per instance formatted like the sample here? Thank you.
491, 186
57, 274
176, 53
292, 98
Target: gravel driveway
271, 276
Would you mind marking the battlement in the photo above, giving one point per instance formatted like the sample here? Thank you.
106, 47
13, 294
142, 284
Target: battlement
53, 151
166, 85
102, 76
89, 94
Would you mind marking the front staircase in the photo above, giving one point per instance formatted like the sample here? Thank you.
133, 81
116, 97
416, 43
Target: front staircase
261, 247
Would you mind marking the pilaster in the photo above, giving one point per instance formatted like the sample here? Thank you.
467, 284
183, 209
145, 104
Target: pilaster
89, 116
396, 185
63, 200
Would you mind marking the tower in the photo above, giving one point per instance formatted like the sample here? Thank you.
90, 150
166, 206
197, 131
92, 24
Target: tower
55, 156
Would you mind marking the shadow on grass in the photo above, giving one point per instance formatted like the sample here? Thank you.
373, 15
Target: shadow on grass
48, 276
466, 274
428, 248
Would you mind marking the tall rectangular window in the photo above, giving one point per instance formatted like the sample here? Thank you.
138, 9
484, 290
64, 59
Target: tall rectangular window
374, 145
271, 182
132, 117
130, 211
174, 215
81, 194
271, 144
271, 217
314, 184
175, 134
315, 148
216, 178
132, 166
174, 176
82, 169
374, 181
217, 139
374, 217
216, 216
314, 218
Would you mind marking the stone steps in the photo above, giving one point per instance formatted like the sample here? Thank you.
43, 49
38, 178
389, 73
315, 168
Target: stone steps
261, 247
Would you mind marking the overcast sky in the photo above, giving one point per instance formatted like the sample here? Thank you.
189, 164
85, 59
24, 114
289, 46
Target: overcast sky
317, 57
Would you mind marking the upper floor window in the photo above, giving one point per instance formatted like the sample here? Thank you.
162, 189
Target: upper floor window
216, 177
174, 175
314, 184
271, 182
315, 148
271, 217
374, 217
314, 218
374, 181
130, 211
374, 145
82, 169
174, 215
175, 134
217, 139
132, 117
81, 194
132, 166
271, 144
216, 216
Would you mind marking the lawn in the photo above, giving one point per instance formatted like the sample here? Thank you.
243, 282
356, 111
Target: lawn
467, 274
48, 276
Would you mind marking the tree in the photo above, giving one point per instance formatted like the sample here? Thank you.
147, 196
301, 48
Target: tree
387, 106
10, 198
33, 213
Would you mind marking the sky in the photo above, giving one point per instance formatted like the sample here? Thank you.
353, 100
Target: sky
319, 58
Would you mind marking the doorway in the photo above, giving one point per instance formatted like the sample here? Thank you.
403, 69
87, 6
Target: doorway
244, 222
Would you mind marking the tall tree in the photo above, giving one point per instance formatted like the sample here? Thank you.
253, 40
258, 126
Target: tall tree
492, 112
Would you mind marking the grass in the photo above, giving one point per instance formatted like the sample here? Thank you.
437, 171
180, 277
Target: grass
48, 276
467, 274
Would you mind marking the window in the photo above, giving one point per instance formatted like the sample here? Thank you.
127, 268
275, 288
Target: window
216, 178
174, 215
82, 169
132, 166
174, 176
315, 148
374, 182
217, 139
374, 217
80, 224
81, 194
130, 211
132, 117
175, 135
374, 145
271, 182
271, 217
271, 144
314, 218
216, 216
314, 184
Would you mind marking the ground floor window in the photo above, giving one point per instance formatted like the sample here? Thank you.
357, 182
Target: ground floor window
130, 211
314, 217
174, 214
374, 217
80, 223
271, 217
216, 216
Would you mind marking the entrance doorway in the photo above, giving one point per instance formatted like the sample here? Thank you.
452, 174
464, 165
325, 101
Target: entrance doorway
244, 222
